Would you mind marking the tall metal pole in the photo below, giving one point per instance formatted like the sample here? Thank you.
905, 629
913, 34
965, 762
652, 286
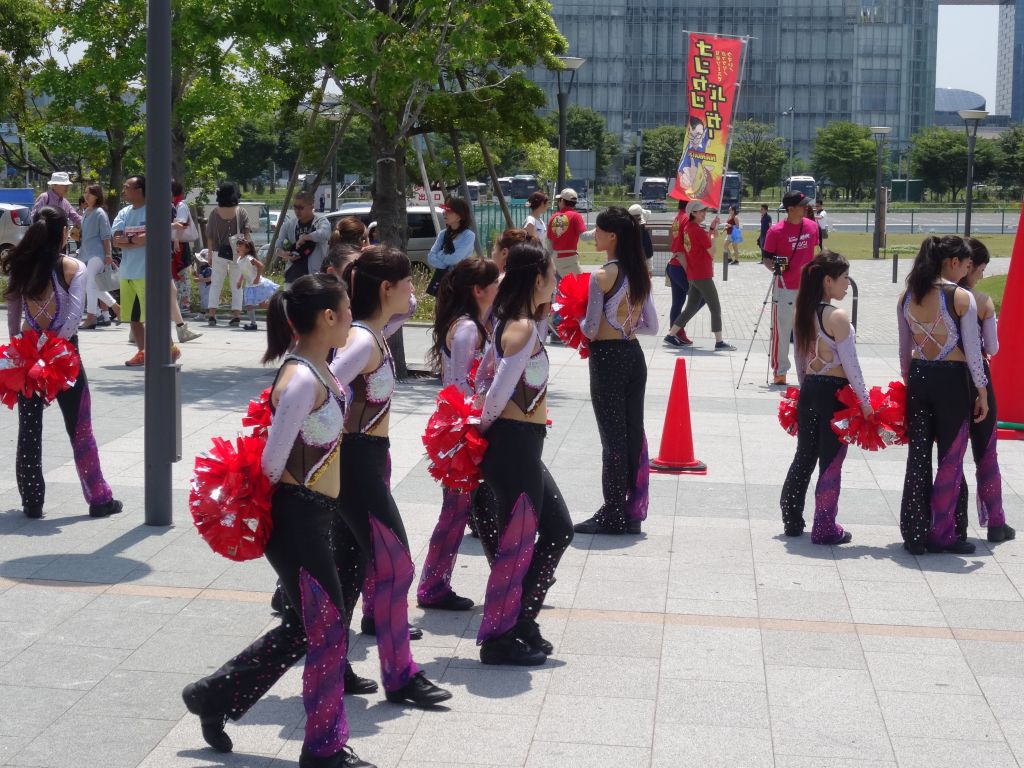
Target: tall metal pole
162, 405
972, 137
792, 138
563, 127
636, 176
878, 199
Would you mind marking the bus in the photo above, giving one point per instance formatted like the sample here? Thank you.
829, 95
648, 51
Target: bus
523, 185
732, 190
805, 184
505, 184
653, 191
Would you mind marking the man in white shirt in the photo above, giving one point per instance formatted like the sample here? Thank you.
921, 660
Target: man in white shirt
821, 216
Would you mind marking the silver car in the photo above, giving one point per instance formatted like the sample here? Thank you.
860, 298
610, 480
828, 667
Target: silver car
421, 227
14, 220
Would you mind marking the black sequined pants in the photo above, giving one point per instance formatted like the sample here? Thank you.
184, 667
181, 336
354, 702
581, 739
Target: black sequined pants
939, 409
304, 525
817, 444
512, 467
618, 383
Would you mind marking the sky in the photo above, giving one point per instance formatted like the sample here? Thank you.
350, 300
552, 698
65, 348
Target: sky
973, 28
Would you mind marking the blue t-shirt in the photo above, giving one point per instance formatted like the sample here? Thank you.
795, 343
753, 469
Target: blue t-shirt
95, 229
133, 259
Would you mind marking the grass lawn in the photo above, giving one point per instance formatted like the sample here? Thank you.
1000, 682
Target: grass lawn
853, 245
994, 287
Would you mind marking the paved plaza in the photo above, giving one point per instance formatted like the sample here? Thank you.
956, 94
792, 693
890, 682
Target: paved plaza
711, 640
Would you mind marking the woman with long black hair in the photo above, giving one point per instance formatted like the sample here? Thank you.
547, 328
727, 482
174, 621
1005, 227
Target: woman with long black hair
301, 458
983, 433
940, 356
533, 523
463, 304
380, 285
45, 293
619, 307
826, 361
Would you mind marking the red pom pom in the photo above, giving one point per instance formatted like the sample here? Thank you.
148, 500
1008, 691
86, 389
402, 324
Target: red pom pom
454, 444
229, 498
473, 370
787, 410
34, 364
259, 415
571, 305
883, 427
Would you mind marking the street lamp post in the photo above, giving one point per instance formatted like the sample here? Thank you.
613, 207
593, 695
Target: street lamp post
792, 136
570, 64
972, 119
879, 132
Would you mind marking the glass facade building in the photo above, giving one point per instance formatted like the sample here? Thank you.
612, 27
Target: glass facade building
868, 61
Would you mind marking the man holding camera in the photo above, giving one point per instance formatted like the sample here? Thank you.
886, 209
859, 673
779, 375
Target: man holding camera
787, 247
304, 239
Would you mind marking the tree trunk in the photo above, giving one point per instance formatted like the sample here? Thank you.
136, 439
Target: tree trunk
388, 191
453, 137
116, 179
339, 133
493, 173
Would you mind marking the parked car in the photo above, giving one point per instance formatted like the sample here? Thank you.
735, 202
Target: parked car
14, 220
421, 227
583, 205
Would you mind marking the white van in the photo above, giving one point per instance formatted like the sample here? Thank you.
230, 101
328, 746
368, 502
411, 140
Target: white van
421, 227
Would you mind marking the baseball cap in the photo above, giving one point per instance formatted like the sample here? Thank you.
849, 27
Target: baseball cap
795, 200
695, 205
639, 212
569, 194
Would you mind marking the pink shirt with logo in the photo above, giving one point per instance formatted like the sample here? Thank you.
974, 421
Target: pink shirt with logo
795, 242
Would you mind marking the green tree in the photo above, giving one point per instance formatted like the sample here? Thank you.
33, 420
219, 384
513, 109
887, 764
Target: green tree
662, 148
938, 156
1010, 171
584, 129
252, 156
845, 153
758, 154
24, 26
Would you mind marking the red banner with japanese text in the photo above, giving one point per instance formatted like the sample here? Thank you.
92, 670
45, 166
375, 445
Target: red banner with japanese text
713, 68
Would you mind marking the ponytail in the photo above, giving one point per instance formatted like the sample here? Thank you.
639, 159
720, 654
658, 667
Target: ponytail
928, 263
629, 250
812, 293
293, 311
28, 265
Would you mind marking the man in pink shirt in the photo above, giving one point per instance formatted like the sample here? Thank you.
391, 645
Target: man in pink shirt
788, 246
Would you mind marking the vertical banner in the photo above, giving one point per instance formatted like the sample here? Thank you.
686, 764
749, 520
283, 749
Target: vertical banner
713, 67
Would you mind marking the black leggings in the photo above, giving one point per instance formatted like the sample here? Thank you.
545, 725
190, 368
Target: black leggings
938, 411
525, 493
618, 382
817, 445
989, 490
304, 524
76, 407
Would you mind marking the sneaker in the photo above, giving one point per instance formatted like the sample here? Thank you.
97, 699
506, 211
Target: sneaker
186, 334
234, 321
175, 353
1003, 533
450, 602
33, 511
350, 759
419, 692
251, 327
674, 341
211, 320
528, 631
103, 322
599, 525
511, 651
795, 529
112, 507
138, 360
212, 725
724, 346
779, 381
683, 337
956, 548
368, 626
356, 685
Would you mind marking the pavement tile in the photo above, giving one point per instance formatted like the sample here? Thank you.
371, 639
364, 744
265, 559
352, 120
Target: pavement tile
928, 752
830, 650
515, 691
828, 735
711, 746
134, 694
75, 741
53, 666
596, 720
595, 638
712, 653
706, 702
583, 675
967, 718
920, 673
25, 711
553, 754
495, 739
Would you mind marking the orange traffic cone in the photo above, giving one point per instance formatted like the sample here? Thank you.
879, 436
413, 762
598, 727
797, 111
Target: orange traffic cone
1008, 364
675, 456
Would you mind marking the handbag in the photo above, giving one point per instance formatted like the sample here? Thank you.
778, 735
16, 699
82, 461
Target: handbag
109, 278
435, 280
227, 251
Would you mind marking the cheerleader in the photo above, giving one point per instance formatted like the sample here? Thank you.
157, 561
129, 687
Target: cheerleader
983, 433
45, 293
513, 382
940, 355
382, 300
826, 361
619, 307
463, 304
301, 458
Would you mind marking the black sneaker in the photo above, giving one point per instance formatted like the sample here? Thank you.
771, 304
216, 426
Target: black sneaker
528, 631
33, 511
234, 321
450, 602
368, 626
674, 341
511, 651
356, 685
112, 507
419, 692
212, 725
599, 525
724, 346
794, 530
956, 548
1003, 533
211, 321
350, 759
251, 327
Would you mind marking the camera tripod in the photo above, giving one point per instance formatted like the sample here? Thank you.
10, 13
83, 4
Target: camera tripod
776, 273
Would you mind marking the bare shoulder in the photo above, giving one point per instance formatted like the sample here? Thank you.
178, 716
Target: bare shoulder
607, 275
837, 323
961, 300
71, 268
516, 335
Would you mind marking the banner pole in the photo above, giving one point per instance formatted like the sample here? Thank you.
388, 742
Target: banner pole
728, 149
